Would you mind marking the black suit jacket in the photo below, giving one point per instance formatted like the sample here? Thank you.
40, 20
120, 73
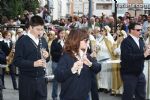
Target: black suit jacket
5, 48
56, 50
132, 57
2, 57
26, 53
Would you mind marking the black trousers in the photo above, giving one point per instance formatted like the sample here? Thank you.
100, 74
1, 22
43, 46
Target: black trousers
12, 74
134, 86
94, 88
1, 91
32, 88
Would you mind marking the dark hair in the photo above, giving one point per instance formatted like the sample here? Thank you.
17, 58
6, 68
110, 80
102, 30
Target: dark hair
72, 43
75, 18
59, 30
144, 17
132, 25
36, 20
5, 33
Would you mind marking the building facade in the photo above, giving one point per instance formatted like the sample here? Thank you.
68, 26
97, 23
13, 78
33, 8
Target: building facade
135, 10
102, 6
81, 7
64, 8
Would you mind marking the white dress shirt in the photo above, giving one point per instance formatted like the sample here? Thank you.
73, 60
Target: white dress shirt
136, 40
7, 41
36, 40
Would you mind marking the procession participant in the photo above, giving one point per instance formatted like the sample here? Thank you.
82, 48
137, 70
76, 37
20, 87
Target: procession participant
56, 52
76, 67
147, 68
31, 54
133, 54
6, 47
104, 51
116, 79
2, 61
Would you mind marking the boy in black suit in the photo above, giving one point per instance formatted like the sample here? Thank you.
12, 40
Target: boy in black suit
30, 54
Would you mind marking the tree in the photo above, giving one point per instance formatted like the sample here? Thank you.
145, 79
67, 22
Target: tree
12, 8
31, 5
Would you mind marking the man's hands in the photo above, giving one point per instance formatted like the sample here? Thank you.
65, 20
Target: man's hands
40, 63
147, 51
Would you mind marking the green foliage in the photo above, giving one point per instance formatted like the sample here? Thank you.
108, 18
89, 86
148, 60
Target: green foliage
30, 5
12, 8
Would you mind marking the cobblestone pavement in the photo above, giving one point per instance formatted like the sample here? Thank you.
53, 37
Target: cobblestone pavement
10, 94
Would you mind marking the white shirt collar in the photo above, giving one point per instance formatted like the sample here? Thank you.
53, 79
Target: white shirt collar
7, 41
1, 39
61, 42
135, 39
36, 40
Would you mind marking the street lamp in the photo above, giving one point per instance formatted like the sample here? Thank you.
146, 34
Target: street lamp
115, 15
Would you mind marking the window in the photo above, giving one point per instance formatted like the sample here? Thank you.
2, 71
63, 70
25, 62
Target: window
99, 6
103, 6
106, 6
108, 0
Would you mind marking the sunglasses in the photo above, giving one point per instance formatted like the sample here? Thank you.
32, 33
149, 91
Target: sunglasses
138, 29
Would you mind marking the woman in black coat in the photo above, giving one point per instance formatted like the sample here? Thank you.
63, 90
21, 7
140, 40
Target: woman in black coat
75, 67
6, 47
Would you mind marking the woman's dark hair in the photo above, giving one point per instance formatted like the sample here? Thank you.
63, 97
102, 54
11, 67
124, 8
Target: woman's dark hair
72, 42
59, 30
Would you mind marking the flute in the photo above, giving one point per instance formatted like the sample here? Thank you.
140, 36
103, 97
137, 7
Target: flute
82, 54
41, 50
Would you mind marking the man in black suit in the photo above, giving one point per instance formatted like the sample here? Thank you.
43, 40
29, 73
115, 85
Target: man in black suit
133, 54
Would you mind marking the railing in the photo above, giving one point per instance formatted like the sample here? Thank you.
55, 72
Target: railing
11, 27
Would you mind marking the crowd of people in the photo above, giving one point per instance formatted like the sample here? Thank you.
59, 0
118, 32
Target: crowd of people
76, 50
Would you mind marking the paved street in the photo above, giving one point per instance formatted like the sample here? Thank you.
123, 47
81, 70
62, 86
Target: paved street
10, 94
